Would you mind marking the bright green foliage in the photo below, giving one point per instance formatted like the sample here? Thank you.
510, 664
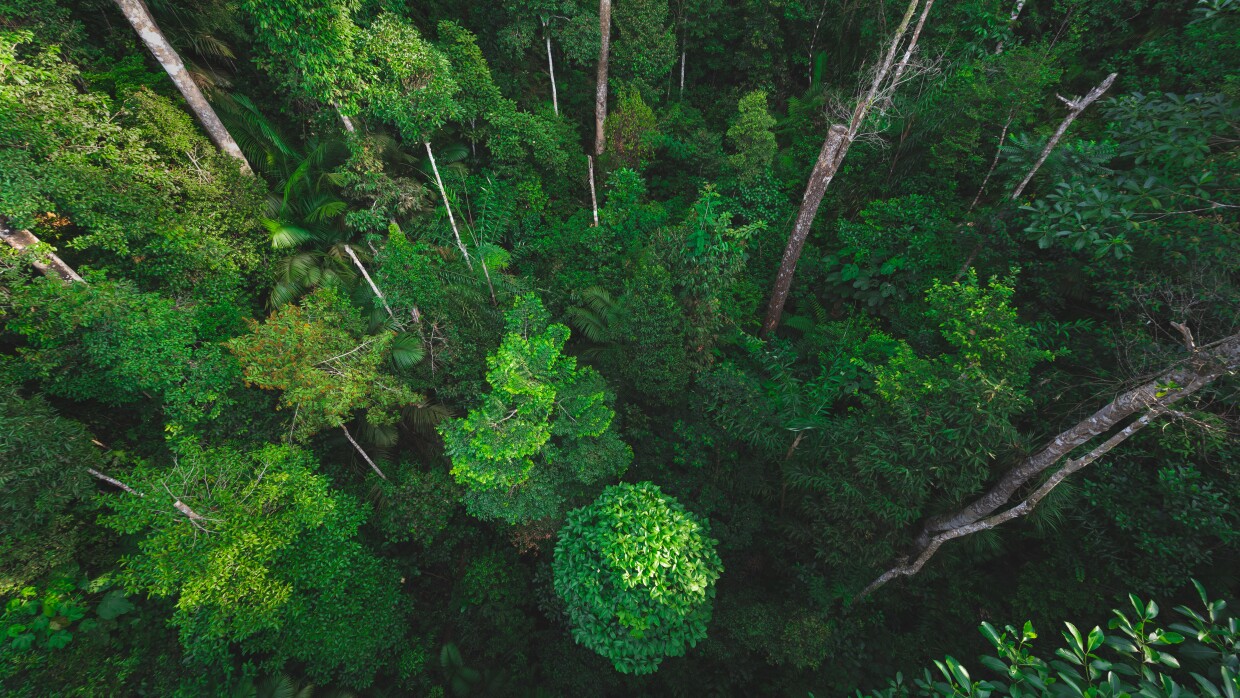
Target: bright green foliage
271, 561
637, 573
409, 82
318, 354
309, 47
1199, 655
751, 136
544, 422
43, 462
127, 183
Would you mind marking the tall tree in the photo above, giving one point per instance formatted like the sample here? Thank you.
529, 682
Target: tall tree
140, 17
600, 90
839, 138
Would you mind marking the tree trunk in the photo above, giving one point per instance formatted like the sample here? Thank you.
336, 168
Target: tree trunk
555, 99
365, 457
348, 123
683, 56
444, 193
1075, 107
1020, 5
140, 17
593, 196
600, 92
834, 148
21, 240
373, 287
1153, 399
828, 163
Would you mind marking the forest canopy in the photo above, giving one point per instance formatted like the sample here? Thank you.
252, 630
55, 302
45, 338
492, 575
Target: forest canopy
629, 348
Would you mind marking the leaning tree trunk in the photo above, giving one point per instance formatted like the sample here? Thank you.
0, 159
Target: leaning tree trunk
448, 205
1020, 5
555, 98
1150, 400
1075, 107
140, 17
21, 240
600, 91
834, 148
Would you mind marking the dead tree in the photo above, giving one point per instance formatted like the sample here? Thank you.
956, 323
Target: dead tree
1075, 107
1146, 403
839, 138
51, 265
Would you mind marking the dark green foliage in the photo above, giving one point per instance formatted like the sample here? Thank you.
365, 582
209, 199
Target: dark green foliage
243, 345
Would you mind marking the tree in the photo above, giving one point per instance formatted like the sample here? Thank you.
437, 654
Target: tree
1149, 401
543, 431
270, 562
600, 89
839, 138
140, 17
751, 136
637, 573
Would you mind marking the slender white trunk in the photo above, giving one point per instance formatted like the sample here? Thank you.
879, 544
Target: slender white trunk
348, 123
373, 287
683, 56
365, 457
555, 99
1075, 107
593, 196
140, 17
444, 193
1020, 5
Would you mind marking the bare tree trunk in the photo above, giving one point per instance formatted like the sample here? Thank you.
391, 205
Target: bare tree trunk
555, 99
593, 196
1020, 5
348, 123
140, 17
912, 45
365, 457
444, 193
1075, 107
834, 148
177, 504
373, 287
828, 163
683, 57
993, 163
21, 240
1153, 399
600, 90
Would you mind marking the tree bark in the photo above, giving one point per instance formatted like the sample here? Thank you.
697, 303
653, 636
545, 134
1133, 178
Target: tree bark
593, 196
1154, 398
348, 123
365, 457
1020, 5
373, 287
444, 193
21, 240
834, 148
140, 17
683, 56
1075, 107
600, 90
555, 99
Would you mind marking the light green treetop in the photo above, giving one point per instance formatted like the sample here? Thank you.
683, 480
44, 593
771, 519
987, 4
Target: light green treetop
637, 573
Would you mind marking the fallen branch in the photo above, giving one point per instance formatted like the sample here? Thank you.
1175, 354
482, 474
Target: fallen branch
1154, 398
358, 446
22, 240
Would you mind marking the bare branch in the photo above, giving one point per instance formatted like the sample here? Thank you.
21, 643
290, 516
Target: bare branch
365, 457
22, 240
1075, 107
